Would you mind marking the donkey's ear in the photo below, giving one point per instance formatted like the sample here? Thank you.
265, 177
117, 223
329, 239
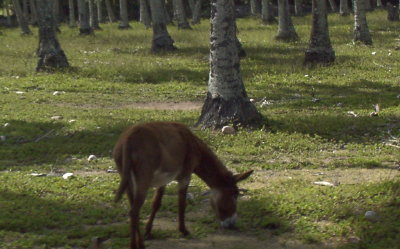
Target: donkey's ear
242, 176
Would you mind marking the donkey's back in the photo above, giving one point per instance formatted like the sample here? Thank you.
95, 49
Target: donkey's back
158, 152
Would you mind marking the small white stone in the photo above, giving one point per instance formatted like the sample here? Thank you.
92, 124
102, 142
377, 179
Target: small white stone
38, 174
189, 197
19, 92
71, 121
371, 216
228, 130
92, 158
6, 124
252, 100
56, 93
3, 138
306, 75
67, 175
265, 103
389, 54
323, 183
353, 114
57, 117
373, 53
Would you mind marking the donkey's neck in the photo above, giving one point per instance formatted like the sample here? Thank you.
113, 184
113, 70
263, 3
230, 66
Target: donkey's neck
212, 171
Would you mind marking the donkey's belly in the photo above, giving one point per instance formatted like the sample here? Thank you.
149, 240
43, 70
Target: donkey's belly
162, 178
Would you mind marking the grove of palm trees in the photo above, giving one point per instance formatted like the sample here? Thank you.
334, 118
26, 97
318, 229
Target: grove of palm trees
305, 94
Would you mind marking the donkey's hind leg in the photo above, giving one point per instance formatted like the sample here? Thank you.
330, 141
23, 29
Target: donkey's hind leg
155, 207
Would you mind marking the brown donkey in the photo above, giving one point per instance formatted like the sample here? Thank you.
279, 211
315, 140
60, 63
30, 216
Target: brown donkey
154, 154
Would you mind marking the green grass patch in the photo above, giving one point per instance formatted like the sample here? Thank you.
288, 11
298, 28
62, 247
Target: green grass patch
308, 127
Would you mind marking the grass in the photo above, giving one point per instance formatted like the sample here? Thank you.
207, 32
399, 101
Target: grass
302, 137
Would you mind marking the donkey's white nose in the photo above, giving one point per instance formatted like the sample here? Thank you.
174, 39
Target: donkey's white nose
229, 222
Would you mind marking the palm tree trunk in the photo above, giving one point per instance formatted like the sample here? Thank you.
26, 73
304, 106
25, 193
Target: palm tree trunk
9, 21
332, 3
162, 41
145, 13
393, 12
191, 6
180, 14
25, 9
266, 12
21, 19
93, 18
361, 31
286, 31
298, 8
255, 7
99, 5
34, 14
72, 21
344, 8
197, 12
83, 12
367, 5
56, 13
226, 100
51, 56
123, 10
110, 12
320, 49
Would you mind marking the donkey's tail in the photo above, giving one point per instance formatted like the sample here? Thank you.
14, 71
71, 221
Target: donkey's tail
126, 174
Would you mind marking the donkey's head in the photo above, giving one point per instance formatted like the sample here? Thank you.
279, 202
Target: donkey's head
223, 200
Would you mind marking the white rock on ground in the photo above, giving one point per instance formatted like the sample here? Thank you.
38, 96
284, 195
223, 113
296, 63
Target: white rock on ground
228, 130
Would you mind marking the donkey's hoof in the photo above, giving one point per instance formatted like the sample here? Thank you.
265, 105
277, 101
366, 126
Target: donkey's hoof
185, 233
148, 236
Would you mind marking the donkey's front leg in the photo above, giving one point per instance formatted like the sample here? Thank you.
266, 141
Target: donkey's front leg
183, 187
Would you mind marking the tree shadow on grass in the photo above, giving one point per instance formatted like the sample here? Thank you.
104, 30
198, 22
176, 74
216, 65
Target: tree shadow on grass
31, 143
34, 221
68, 222
382, 231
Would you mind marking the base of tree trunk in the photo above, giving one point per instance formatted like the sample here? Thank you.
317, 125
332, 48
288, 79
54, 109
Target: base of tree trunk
361, 37
124, 26
195, 21
185, 25
319, 56
51, 58
85, 31
271, 20
217, 112
164, 43
393, 12
97, 27
26, 33
241, 52
287, 37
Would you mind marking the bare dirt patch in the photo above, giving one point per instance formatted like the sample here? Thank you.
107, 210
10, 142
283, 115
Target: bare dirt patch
180, 106
230, 241
337, 176
184, 106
